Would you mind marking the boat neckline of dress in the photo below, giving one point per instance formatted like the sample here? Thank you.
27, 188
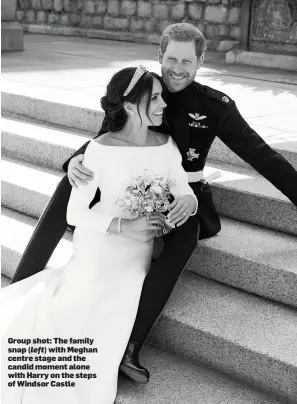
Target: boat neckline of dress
132, 147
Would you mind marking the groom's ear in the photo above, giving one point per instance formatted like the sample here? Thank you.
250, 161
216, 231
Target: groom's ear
200, 61
160, 56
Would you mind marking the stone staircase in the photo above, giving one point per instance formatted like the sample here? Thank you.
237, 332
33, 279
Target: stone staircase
229, 332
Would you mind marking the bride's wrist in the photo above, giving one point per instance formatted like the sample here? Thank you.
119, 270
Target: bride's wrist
126, 225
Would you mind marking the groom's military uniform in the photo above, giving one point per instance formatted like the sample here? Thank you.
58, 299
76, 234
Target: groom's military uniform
194, 117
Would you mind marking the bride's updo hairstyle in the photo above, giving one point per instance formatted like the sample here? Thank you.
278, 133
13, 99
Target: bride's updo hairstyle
113, 102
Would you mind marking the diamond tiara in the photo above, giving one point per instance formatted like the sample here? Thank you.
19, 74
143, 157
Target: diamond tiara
139, 72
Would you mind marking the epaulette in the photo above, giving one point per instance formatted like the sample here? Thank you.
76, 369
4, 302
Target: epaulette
215, 95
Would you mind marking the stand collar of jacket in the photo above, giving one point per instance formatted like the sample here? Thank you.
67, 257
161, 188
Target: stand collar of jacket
183, 97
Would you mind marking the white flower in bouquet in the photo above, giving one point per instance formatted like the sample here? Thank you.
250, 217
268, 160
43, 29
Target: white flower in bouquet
157, 189
147, 194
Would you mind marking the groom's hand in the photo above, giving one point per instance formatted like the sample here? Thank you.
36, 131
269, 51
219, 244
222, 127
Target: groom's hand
77, 173
181, 209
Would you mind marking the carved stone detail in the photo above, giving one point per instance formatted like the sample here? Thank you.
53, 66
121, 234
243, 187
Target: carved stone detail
274, 21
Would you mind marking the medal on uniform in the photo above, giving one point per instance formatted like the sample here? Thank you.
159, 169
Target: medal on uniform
191, 155
196, 118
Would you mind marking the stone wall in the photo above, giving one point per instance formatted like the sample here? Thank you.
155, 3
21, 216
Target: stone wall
136, 20
11, 30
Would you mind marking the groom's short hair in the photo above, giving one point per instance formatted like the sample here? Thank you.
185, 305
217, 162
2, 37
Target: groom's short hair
184, 32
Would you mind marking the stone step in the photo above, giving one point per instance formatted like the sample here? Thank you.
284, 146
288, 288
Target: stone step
239, 193
42, 109
18, 229
5, 281
50, 145
27, 188
75, 116
284, 143
247, 337
243, 194
46, 145
251, 258
175, 380
204, 313
243, 256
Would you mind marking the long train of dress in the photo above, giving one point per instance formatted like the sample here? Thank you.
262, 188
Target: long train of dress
95, 296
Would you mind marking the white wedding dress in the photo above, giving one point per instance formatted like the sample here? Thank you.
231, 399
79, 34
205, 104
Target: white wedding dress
96, 295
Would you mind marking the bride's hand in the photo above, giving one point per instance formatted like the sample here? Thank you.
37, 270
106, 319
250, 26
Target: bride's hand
151, 222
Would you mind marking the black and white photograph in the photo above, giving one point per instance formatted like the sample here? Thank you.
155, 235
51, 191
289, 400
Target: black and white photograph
149, 202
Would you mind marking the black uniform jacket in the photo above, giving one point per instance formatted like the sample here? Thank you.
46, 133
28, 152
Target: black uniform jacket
196, 115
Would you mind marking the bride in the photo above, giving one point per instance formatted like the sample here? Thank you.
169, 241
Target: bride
87, 308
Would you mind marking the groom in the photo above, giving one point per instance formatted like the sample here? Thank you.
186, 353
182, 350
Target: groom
195, 115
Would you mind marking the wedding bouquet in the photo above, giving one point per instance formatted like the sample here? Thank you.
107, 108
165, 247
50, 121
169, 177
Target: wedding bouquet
145, 195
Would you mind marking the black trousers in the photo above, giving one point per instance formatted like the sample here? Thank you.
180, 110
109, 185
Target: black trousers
162, 276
